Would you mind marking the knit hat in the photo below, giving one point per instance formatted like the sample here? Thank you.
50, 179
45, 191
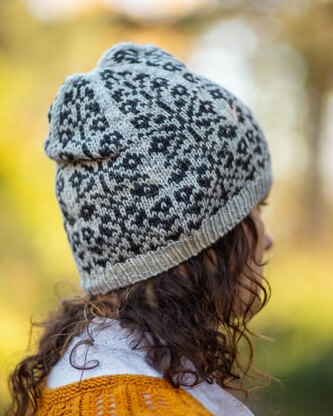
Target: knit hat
154, 164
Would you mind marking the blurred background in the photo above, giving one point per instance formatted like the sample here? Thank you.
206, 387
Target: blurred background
277, 56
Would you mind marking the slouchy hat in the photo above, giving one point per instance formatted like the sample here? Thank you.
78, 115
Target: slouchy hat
154, 163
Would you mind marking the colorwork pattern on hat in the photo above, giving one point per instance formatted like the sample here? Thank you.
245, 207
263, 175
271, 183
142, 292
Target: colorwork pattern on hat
154, 164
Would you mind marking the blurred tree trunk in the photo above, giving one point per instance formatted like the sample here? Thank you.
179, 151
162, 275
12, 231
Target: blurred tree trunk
312, 34
312, 196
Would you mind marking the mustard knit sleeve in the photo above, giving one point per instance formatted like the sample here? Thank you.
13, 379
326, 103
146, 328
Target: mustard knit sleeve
119, 395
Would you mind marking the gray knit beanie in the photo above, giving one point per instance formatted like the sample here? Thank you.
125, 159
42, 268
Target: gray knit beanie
154, 164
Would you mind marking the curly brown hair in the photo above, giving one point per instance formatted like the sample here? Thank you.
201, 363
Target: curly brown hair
204, 326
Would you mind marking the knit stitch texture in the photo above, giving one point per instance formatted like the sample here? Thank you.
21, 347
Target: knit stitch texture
154, 164
119, 395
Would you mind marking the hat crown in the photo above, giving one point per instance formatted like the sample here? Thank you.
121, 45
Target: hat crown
131, 53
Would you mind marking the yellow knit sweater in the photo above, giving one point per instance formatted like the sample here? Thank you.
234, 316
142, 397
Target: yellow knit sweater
119, 395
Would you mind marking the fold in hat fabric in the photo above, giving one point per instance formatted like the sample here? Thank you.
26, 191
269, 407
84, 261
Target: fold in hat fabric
154, 164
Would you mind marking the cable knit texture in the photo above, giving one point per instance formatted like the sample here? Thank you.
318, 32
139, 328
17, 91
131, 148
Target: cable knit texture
154, 164
119, 395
